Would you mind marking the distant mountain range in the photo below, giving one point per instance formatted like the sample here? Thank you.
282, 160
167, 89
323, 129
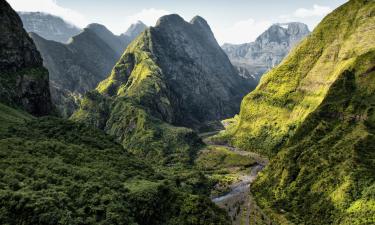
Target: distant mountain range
79, 65
48, 26
253, 59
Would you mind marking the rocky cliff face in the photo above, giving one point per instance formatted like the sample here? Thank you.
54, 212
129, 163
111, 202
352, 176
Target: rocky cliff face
253, 59
23, 79
314, 116
80, 65
48, 26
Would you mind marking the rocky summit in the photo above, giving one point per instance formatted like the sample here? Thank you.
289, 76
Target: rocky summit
23, 79
48, 26
253, 59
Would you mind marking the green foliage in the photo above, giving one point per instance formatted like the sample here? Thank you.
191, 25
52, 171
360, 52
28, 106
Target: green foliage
54, 171
10, 116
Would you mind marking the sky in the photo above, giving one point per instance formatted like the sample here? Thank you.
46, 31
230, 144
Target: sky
232, 21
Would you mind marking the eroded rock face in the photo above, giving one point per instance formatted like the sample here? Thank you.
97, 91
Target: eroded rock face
24, 80
204, 85
253, 59
48, 26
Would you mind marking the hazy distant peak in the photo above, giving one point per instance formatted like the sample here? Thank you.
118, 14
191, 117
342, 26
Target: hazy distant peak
135, 29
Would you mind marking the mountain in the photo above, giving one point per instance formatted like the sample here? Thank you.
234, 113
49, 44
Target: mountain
314, 116
174, 74
48, 26
134, 30
55, 171
23, 80
80, 65
254, 59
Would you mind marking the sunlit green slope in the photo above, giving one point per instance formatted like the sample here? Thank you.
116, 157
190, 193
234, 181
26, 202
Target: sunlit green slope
289, 93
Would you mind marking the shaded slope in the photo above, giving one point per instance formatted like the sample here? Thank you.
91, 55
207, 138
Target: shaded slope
23, 79
80, 65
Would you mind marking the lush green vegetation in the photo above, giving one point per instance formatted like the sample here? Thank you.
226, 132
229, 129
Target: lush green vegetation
223, 167
59, 172
285, 97
325, 174
314, 115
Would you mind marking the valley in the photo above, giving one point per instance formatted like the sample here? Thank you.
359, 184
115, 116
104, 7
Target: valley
164, 125
234, 171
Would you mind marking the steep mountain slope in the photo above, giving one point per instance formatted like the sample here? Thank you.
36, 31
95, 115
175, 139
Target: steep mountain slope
48, 26
54, 171
80, 65
173, 74
23, 80
315, 112
254, 59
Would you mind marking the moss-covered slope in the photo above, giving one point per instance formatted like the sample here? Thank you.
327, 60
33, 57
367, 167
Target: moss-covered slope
289, 93
325, 174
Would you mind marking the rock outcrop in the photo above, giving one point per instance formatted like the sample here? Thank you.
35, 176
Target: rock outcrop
23, 79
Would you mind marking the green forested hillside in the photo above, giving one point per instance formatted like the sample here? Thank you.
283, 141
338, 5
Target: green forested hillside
58, 172
314, 116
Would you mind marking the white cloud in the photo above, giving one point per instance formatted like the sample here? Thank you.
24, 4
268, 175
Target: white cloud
147, 16
302, 13
241, 32
51, 7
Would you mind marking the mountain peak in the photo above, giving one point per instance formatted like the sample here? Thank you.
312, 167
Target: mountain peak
135, 29
98, 28
48, 26
169, 19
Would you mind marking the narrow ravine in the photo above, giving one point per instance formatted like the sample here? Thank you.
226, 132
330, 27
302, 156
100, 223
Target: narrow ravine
239, 202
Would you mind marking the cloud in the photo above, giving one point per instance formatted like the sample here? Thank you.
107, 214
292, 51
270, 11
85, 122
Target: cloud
51, 7
241, 32
147, 16
302, 13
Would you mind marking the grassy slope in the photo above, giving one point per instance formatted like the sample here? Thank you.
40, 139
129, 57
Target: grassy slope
124, 106
289, 93
325, 174
54, 171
